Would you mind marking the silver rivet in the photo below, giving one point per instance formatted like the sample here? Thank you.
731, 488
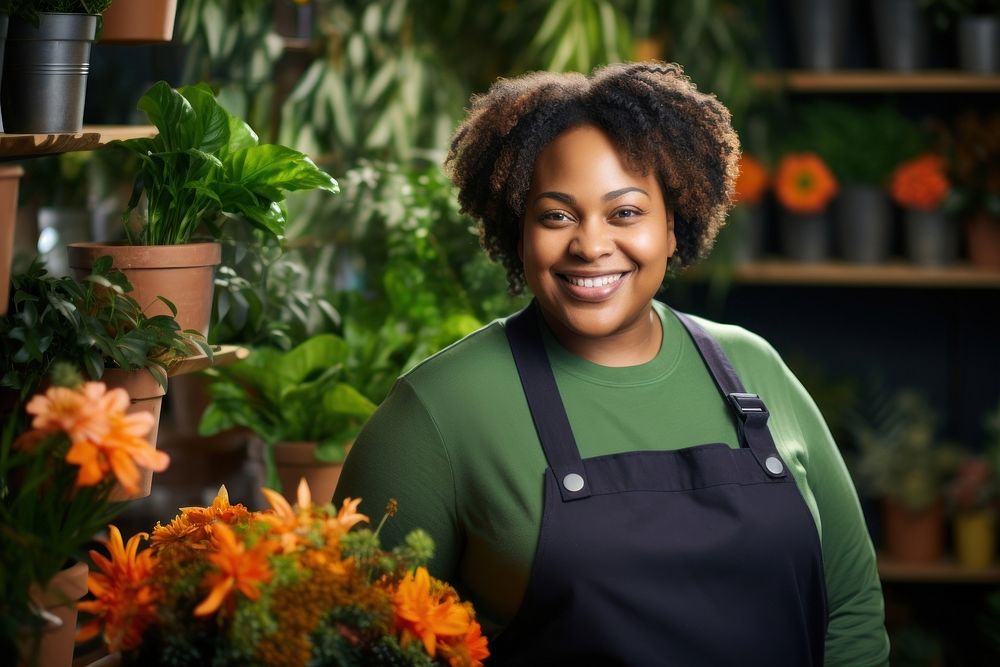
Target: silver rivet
573, 482
774, 465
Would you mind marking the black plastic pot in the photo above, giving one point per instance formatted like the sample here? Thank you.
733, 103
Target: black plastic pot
45, 73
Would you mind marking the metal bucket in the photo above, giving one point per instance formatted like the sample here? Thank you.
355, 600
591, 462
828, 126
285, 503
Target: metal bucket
45, 73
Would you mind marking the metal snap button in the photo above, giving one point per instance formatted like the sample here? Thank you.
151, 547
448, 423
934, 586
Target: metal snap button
774, 465
573, 482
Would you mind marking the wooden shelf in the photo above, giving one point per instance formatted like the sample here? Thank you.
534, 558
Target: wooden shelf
91, 137
878, 81
221, 355
944, 572
857, 275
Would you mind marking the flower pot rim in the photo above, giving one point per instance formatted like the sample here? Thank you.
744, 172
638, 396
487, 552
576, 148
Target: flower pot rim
141, 385
83, 254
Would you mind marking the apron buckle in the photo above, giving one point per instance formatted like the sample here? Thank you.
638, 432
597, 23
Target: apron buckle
749, 407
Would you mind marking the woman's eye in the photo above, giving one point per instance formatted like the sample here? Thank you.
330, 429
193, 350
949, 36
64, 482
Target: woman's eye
555, 216
626, 213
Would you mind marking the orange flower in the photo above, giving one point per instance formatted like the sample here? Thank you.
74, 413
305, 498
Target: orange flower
426, 616
238, 568
81, 413
752, 181
348, 515
804, 184
194, 524
125, 592
920, 183
468, 650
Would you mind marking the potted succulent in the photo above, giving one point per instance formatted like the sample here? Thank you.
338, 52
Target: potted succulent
42, 35
299, 406
205, 170
804, 187
902, 460
921, 186
58, 477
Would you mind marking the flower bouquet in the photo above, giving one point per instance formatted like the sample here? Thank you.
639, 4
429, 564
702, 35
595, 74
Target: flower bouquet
921, 186
221, 585
56, 481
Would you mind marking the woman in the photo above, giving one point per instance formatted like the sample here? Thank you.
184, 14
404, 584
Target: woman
609, 481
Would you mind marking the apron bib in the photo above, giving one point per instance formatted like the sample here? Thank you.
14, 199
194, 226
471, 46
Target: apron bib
704, 556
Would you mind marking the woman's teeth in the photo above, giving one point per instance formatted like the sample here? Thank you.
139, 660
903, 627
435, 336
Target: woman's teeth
597, 281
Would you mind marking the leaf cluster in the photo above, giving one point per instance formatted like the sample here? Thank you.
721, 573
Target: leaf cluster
206, 167
297, 396
92, 324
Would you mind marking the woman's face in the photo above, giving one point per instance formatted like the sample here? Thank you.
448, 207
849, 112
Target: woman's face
596, 237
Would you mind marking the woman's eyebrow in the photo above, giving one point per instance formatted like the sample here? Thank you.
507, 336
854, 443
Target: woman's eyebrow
615, 194
558, 196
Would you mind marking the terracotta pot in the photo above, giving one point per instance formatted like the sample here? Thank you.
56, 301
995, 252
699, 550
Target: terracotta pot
147, 396
9, 176
975, 538
913, 537
982, 236
54, 648
187, 401
295, 460
138, 21
184, 274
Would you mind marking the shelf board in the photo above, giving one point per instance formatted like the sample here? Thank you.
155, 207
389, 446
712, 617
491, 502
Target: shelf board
91, 137
943, 572
221, 355
857, 275
878, 81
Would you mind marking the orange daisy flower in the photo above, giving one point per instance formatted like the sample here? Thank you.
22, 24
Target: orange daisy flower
239, 568
81, 413
752, 182
126, 596
804, 184
194, 524
425, 616
469, 650
921, 183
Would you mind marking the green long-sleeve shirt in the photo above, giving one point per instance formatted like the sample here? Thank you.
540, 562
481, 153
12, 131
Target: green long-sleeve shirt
454, 443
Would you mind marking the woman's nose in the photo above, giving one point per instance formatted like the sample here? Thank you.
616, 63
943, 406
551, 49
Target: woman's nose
592, 240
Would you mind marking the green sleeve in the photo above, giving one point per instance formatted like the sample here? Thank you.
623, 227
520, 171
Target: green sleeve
399, 454
856, 635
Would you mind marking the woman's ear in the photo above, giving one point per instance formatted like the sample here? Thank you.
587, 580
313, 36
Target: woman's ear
671, 237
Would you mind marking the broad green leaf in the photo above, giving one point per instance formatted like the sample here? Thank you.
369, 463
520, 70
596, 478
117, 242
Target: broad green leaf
172, 115
268, 170
212, 118
313, 356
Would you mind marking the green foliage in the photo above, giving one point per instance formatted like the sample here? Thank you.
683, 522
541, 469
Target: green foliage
206, 167
29, 9
859, 145
295, 396
899, 453
93, 325
576, 35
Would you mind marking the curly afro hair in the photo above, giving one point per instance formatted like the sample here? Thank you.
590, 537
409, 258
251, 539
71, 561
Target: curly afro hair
653, 113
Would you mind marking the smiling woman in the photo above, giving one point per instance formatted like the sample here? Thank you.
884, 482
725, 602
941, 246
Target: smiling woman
611, 481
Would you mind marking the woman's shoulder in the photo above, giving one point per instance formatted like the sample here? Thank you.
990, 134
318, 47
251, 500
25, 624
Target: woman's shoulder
740, 345
478, 356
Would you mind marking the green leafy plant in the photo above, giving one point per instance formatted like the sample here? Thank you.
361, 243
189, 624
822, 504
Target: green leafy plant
92, 324
206, 167
295, 396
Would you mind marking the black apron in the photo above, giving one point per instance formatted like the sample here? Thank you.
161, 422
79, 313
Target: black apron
705, 556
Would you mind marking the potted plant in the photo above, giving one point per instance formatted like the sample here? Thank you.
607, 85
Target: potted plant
972, 495
974, 160
10, 176
861, 147
43, 35
804, 188
921, 186
747, 238
96, 325
58, 476
221, 585
902, 460
139, 21
298, 404
204, 171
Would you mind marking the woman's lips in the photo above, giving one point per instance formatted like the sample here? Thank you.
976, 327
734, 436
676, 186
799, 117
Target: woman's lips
592, 287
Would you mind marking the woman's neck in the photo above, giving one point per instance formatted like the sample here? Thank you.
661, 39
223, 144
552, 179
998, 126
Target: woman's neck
632, 346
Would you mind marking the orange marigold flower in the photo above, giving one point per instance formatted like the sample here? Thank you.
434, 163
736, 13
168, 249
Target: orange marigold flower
348, 515
752, 181
423, 615
804, 184
468, 650
920, 183
126, 596
194, 524
239, 568
81, 413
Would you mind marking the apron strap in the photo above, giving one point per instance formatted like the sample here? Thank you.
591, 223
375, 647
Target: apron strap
545, 403
750, 411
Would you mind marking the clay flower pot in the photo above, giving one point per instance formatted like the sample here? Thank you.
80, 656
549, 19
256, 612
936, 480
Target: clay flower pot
58, 598
295, 460
913, 537
184, 274
147, 396
138, 21
982, 236
9, 177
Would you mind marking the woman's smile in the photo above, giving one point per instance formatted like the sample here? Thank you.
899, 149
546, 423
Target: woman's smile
593, 287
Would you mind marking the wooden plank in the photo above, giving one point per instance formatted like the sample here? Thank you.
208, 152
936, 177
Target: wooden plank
850, 81
221, 355
943, 572
91, 137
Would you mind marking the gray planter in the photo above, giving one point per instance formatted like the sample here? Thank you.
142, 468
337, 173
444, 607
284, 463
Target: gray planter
864, 224
805, 237
900, 34
979, 44
3, 39
746, 237
931, 237
45, 73
820, 32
